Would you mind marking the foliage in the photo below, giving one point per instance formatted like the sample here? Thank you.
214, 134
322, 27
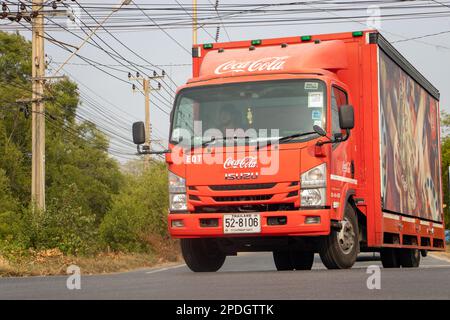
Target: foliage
137, 211
91, 203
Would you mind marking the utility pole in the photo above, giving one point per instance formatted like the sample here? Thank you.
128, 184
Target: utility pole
147, 92
36, 18
38, 109
194, 22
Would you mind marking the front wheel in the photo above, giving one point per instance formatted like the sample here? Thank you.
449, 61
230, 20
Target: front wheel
290, 260
202, 255
340, 248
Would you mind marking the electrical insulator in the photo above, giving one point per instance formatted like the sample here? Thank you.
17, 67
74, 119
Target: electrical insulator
154, 73
134, 87
163, 73
159, 85
4, 7
138, 74
129, 75
22, 6
18, 17
54, 5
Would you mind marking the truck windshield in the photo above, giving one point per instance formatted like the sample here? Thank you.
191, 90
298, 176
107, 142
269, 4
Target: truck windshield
257, 110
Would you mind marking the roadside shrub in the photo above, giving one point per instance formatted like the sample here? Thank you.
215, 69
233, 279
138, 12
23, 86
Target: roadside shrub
138, 210
9, 215
64, 225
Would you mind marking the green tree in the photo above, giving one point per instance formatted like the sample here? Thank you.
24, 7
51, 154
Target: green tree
81, 177
445, 158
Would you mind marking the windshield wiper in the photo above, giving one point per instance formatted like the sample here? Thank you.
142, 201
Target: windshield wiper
287, 138
214, 139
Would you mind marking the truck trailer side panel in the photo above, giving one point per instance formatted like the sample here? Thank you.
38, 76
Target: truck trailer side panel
409, 150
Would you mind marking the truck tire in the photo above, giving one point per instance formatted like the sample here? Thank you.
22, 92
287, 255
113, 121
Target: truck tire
282, 260
290, 260
202, 255
302, 260
409, 258
390, 258
340, 248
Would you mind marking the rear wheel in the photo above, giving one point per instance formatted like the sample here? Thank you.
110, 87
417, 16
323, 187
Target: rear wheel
389, 258
202, 255
409, 258
340, 248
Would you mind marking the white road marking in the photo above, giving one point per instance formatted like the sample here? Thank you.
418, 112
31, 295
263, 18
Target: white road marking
166, 269
439, 257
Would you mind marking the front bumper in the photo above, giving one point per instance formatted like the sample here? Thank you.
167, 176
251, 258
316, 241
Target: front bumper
295, 224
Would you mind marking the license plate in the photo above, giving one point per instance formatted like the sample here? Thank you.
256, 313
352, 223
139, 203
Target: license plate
242, 223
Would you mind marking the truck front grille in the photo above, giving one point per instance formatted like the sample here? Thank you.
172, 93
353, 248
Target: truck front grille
253, 186
263, 197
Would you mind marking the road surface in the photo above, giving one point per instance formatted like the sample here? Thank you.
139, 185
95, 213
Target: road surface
247, 276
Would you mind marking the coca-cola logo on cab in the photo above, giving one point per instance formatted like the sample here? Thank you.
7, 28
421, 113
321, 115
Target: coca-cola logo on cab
244, 163
264, 64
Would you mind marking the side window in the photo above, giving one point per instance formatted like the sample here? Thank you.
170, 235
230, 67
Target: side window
184, 119
338, 98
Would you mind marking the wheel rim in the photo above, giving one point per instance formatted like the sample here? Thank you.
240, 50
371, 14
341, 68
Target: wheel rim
346, 237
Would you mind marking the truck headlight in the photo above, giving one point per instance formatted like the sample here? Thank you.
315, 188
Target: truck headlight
176, 184
313, 186
178, 202
315, 178
312, 197
177, 193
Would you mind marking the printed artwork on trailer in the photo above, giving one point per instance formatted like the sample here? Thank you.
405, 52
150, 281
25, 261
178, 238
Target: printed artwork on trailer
410, 165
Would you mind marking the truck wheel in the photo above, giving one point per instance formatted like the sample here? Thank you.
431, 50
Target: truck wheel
302, 260
389, 258
202, 255
340, 248
409, 258
282, 260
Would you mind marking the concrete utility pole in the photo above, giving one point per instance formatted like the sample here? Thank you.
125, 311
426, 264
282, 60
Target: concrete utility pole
194, 22
147, 91
38, 109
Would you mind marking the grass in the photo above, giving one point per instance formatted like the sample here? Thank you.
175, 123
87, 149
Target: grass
53, 262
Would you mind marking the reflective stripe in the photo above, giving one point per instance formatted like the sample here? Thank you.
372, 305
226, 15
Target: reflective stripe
425, 223
409, 219
343, 179
391, 216
438, 225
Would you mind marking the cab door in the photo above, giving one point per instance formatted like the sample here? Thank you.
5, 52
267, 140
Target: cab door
342, 166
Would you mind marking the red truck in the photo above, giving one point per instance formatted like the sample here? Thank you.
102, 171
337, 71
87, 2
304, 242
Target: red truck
322, 144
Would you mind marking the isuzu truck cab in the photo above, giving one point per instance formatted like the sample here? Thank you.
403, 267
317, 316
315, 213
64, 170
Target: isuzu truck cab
308, 144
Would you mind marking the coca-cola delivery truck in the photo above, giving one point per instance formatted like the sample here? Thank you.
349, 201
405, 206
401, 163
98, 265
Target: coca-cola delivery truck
322, 144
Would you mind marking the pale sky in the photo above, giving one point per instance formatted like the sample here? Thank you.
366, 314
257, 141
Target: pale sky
429, 58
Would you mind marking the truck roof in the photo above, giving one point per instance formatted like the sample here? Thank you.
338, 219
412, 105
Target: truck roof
300, 54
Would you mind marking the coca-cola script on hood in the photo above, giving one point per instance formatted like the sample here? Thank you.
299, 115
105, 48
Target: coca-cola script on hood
247, 162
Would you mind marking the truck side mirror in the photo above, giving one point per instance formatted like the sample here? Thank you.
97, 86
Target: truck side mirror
138, 132
346, 117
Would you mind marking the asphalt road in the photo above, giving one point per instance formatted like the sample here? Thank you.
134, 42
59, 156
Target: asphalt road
247, 276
